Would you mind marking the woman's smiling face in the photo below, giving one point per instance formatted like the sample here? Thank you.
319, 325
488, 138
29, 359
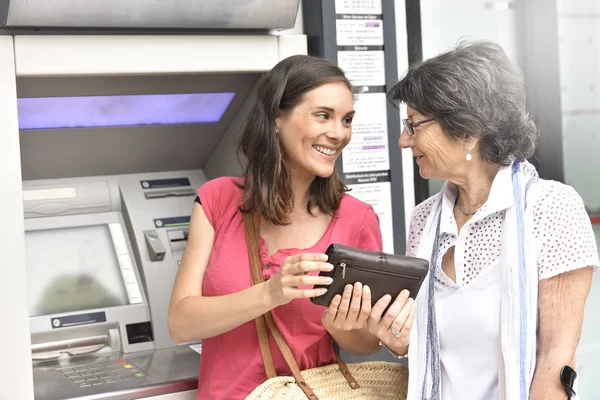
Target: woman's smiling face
314, 133
437, 155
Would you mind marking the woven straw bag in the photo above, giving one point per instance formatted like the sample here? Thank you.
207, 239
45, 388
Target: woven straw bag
379, 380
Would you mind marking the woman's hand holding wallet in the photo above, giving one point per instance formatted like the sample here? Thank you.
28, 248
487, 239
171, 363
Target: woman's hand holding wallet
382, 305
393, 328
292, 280
354, 306
348, 311
352, 310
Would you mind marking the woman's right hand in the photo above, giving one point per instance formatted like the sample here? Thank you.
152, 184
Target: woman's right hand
284, 286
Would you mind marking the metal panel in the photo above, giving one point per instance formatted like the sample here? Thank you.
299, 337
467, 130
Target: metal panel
165, 371
159, 275
187, 395
290, 45
15, 380
4, 11
143, 54
60, 153
415, 55
150, 14
223, 160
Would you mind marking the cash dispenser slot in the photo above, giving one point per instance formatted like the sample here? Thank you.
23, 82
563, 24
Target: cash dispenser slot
72, 347
171, 192
95, 342
178, 238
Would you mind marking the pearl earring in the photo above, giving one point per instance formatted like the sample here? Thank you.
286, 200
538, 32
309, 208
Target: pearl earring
469, 156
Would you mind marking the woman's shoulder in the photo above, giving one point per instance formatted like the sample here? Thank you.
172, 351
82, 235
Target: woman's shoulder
556, 195
359, 224
550, 187
563, 229
423, 209
357, 213
227, 183
353, 208
220, 194
417, 224
224, 189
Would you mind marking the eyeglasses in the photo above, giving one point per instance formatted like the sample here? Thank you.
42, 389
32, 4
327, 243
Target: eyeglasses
410, 126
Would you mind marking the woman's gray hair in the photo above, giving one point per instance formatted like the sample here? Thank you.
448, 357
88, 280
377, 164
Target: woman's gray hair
473, 90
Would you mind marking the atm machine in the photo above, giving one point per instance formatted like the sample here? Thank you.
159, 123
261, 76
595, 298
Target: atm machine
105, 139
101, 257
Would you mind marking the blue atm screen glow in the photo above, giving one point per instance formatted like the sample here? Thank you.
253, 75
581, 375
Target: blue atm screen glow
128, 110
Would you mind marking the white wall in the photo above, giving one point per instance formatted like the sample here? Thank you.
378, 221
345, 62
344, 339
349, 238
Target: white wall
579, 58
444, 22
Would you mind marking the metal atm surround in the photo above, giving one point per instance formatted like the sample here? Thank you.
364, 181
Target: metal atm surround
84, 57
126, 156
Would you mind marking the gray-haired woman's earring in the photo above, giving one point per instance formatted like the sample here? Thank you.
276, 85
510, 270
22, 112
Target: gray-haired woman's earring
469, 156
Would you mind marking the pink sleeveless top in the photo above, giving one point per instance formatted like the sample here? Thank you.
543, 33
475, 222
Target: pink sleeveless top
231, 364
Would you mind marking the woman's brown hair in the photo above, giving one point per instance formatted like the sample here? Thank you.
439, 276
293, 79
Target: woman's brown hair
267, 185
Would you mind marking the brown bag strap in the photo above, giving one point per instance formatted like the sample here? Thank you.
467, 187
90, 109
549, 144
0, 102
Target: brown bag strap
289, 357
252, 228
345, 371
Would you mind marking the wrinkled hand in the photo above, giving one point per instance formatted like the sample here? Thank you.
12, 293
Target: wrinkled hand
394, 327
349, 311
284, 286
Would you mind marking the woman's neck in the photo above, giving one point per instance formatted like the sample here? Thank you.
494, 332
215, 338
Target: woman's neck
474, 187
301, 194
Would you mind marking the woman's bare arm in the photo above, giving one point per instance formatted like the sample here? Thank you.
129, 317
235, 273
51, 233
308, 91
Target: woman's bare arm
561, 308
193, 316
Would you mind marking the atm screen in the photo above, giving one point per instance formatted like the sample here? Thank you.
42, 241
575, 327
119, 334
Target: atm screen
72, 269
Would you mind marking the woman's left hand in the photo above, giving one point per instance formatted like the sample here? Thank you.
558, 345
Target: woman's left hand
349, 311
393, 328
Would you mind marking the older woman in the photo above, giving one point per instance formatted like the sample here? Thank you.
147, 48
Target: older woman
511, 255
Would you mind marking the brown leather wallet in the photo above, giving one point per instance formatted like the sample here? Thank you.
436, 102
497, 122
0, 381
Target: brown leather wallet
383, 273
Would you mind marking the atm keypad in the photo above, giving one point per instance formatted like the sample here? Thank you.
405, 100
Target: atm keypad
102, 374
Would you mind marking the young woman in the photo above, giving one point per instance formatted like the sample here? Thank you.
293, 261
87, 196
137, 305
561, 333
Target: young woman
301, 122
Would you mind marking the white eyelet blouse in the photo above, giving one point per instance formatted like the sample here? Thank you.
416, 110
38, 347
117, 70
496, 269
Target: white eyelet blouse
468, 311
562, 225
